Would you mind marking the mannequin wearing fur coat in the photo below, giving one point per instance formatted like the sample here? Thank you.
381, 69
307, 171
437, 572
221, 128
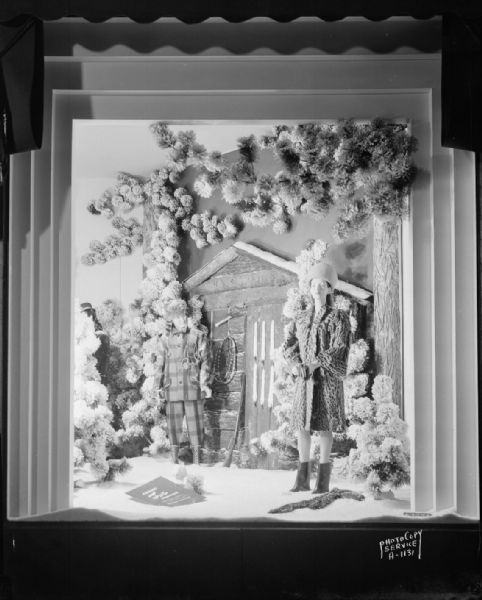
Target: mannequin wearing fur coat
316, 348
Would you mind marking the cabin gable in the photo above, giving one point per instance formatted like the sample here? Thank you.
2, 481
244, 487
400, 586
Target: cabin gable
245, 272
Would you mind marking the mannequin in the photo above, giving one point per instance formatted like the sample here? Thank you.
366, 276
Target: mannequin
185, 382
102, 352
316, 348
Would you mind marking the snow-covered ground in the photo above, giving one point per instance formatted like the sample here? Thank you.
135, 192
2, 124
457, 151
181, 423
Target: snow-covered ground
230, 494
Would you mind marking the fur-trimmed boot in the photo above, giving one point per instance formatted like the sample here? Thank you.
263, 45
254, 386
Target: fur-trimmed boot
196, 455
323, 478
302, 483
175, 454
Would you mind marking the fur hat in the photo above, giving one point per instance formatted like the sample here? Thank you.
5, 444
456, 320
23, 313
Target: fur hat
324, 271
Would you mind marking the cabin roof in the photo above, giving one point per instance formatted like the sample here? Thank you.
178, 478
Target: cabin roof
238, 248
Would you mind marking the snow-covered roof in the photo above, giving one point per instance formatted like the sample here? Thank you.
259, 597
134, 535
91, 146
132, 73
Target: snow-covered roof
229, 254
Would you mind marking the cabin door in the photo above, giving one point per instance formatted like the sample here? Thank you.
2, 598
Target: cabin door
264, 333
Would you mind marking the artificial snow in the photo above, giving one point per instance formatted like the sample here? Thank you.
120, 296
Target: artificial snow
230, 494
269, 257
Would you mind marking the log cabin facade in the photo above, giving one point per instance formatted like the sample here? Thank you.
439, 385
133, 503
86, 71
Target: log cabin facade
244, 289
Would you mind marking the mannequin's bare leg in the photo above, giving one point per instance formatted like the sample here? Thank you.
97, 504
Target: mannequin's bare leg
304, 444
326, 442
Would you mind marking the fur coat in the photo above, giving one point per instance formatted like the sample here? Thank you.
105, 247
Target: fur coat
318, 403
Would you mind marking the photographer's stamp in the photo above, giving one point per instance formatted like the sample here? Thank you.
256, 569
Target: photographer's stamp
408, 545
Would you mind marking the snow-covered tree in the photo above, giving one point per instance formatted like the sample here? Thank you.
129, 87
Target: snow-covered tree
136, 428
381, 457
93, 431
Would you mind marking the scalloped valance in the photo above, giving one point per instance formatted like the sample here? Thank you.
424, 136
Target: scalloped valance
21, 50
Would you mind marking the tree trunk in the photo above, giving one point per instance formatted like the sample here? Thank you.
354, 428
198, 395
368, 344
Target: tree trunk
386, 289
149, 224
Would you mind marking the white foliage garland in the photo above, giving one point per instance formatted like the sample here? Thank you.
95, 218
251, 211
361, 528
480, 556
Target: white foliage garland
92, 418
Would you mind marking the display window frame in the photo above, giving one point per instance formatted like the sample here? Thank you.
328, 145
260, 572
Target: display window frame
71, 87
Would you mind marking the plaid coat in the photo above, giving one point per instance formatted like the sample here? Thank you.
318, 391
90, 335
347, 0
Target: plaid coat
318, 402
185, 366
